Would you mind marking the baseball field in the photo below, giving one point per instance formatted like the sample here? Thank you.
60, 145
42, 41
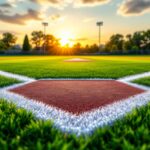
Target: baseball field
88, 102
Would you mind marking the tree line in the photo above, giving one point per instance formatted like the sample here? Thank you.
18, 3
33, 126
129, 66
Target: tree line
136, 43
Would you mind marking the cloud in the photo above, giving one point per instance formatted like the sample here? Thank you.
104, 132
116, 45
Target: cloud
53, 3
15, 3
76, 3
89, 3
134, 7
20, 19
5, 5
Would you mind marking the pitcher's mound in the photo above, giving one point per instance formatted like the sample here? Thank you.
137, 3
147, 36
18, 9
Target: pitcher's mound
77, 60
77, 96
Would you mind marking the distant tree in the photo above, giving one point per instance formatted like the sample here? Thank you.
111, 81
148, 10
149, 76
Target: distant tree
145, 44
115, 43
9, 39
37, 39
137, 40
117, 40
2, 46
51, 43
135, 49
128, 44
77, 48
50, 40
26, 44
114, 48
94, 48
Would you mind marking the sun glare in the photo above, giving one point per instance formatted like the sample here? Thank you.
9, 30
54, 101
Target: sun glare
66, 39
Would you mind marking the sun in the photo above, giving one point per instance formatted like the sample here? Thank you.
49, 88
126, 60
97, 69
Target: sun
66, 38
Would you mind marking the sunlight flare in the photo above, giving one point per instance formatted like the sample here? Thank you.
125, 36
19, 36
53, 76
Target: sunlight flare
67, 38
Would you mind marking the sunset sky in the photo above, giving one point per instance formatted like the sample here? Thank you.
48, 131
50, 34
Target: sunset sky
74, 18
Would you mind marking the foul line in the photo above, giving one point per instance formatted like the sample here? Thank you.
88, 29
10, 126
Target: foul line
128, 80
134, 77
16, 76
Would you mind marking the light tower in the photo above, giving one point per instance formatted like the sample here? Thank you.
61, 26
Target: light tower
99, 24
45, 24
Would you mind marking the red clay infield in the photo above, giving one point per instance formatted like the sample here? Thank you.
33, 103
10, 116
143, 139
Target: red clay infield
77, 96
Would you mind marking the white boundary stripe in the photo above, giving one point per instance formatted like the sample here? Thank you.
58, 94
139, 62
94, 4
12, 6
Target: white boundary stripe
143, 87
15, 76
84, 123
17, 85
128, 80
134, 77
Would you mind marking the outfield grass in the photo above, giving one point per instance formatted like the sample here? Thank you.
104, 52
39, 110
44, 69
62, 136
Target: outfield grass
55, 67
20, 130
143, 81
4, 81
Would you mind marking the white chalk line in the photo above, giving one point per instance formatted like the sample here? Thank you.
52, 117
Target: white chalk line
16, 76
134, 77
128, 80
85, 123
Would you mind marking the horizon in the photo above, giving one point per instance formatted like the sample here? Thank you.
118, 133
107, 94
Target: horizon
74, 19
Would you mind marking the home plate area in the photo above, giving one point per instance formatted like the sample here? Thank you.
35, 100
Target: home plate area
77, 97
77, 106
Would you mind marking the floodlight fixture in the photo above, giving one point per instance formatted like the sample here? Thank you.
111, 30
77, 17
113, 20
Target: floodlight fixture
99, 24
45, 24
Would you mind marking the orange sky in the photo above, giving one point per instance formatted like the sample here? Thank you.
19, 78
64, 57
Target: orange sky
74, 21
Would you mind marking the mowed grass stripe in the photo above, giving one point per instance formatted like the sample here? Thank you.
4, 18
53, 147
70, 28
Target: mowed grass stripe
5, 81
55, 67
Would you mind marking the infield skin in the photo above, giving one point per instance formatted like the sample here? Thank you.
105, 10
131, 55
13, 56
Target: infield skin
77, 96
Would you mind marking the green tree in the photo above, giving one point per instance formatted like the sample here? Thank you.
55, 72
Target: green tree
9, 39
135, 49
51, 44
26, 44
117, 40
137, 39
114, 48
146, 41
2, 45
37, 39
115, 44
128, 44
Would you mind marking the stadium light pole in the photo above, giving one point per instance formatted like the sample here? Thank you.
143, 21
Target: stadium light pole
99, 24
45, 24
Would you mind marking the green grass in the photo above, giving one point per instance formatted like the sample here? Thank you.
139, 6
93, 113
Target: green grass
143, 81
4, 81
21, 130
55, 67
